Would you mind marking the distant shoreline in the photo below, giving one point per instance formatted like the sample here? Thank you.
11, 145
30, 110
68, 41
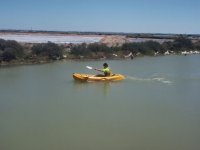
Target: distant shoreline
92, 32
46, 61
121, 46
145, 36
135, 37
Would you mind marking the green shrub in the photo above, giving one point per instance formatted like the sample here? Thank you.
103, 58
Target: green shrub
38, 49
52, 50
181, 43
145, 48
80, 50
9, 54
10, 50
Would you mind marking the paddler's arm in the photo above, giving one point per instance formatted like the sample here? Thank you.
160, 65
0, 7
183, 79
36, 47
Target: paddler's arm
98, 69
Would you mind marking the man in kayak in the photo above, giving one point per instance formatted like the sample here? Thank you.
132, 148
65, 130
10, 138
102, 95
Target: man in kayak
105, 70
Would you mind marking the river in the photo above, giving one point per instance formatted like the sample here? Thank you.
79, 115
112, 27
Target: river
155, 108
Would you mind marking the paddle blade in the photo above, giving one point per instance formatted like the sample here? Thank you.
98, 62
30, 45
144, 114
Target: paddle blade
89, 67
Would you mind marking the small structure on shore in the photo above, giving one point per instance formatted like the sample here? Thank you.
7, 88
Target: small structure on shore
115, 55
129, 55
167, 53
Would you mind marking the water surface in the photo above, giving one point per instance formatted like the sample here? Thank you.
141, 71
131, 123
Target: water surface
156, 107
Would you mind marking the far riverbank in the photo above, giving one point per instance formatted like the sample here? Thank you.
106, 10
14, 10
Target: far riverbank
97, 47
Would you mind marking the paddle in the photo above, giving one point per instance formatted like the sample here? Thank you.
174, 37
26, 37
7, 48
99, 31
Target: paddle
89, 67
94, 68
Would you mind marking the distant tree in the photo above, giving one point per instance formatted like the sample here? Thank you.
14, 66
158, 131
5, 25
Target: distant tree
154, 46
95, 47
132, 47
91, 49
116, 48
197, 45
2, 44
145, 48
1, 55
8, 54
17, 48
80, 50
10, 50
52, 50
182, 43
38, 49
168, 45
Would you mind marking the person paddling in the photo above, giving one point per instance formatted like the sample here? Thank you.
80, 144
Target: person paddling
106, 70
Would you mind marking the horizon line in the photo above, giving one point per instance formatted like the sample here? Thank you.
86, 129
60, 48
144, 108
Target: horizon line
100, 32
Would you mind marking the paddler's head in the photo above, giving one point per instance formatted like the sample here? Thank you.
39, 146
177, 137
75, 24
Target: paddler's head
105, 65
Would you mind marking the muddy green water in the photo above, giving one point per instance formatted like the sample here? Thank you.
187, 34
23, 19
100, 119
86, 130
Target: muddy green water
156, 108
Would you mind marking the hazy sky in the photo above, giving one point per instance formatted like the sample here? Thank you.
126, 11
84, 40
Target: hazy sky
137, 16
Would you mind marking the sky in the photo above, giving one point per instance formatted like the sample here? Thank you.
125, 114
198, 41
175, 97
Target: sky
129, 16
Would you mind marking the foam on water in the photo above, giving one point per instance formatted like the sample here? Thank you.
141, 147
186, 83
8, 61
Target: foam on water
153, 79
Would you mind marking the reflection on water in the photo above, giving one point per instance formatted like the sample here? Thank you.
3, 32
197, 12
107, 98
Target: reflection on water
101, 87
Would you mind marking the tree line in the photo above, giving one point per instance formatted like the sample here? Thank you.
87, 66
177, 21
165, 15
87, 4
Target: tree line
12, 50
178, 45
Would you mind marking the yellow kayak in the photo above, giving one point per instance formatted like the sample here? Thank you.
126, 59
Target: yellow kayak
89, 77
